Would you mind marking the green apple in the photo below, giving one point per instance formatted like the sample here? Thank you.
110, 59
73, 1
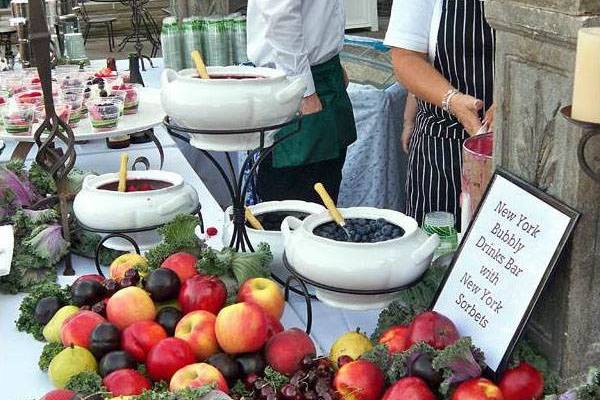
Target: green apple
70, 362
51, 331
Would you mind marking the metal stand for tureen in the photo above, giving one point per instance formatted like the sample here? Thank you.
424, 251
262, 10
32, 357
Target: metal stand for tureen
593, 129
235, 183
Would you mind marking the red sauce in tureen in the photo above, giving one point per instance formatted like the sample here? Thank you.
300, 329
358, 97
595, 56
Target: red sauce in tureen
137, 185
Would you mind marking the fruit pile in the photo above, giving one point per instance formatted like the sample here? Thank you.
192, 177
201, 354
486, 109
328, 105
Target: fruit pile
360, 230
172, 325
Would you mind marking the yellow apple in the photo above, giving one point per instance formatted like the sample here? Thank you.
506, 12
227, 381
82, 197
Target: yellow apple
198, 375
125, 262
265, 293
198, 330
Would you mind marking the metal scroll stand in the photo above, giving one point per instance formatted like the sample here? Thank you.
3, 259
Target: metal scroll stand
56, 161
592, 129
238, 187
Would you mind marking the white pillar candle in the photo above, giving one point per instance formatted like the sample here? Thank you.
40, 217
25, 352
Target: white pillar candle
586, 89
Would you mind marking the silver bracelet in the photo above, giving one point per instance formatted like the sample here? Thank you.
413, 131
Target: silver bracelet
448, 97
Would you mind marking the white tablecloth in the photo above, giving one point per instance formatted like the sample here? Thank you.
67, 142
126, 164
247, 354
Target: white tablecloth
20, 377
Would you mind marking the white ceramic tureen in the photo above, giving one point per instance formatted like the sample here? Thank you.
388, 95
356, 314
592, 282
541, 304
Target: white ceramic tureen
250, 98
273, 238
110, 210
358, 266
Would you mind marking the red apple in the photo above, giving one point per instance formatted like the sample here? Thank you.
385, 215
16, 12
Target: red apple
202, 292
130, 305
434, 329
241, 328
274, 326
409, 389
523, 382
126, 382
168, 356
265, 293
61, 394
477, 389
198, 330
396, 338
138, 338
198, 375
77, 328
285, 351
359, 380
90, 277
183, 264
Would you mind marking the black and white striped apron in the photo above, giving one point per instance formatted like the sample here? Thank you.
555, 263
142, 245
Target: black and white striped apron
465, 56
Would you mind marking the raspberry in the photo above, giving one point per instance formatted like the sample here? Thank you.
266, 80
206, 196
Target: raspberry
212, 231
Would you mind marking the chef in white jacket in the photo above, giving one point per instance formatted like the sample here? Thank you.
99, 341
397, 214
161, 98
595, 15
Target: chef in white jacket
303, 38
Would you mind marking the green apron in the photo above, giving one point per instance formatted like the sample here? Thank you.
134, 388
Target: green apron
324, 135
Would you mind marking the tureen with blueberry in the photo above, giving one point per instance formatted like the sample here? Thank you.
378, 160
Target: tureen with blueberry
378, 251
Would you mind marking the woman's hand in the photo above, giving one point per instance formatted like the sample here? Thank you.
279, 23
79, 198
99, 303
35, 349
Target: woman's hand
466, 109
489, 117
311, 105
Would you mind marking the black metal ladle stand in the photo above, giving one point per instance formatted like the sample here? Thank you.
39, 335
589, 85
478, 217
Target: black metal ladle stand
237, 187
235, 182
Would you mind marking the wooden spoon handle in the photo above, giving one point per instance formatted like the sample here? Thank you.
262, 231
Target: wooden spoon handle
328, 201
252, 220
123, 172
200, 67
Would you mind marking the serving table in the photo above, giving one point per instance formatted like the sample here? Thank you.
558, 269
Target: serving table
20, 377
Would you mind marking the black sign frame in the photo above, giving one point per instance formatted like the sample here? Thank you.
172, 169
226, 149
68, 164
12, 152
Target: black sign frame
569, 211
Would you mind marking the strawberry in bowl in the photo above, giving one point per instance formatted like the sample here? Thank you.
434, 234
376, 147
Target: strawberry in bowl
131, 97
104, 113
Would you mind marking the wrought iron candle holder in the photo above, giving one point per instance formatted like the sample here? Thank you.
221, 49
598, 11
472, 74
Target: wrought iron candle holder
53, 132
592, 130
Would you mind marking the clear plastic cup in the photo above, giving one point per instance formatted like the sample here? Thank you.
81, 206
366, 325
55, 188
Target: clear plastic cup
74, 97
66, 69
104, 113
120, 94
18, 118
30, 96
63, 110
131, 97
443, 224
11, 81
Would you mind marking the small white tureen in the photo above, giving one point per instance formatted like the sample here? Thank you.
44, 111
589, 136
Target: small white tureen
110, 210
273, 238
235, 98
358, 266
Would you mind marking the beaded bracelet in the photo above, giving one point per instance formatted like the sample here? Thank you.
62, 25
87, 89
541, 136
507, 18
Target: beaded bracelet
448, 97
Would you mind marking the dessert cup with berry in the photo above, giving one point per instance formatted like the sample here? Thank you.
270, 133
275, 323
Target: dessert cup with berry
17, 118
74, 97
104, 113
131, 98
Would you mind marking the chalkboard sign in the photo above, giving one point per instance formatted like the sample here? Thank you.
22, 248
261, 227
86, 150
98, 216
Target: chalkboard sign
503, 264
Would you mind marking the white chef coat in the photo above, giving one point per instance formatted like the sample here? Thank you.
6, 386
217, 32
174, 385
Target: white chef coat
414, 25
293, 35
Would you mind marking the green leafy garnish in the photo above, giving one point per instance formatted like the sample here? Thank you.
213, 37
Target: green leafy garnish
48, 353
160, 393
243, 266
26, 321
275, 379
86, 384
178, 235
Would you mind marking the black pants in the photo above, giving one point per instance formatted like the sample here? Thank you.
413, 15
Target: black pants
296, 183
